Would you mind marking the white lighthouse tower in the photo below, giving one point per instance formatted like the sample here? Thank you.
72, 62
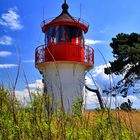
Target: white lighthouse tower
64, 58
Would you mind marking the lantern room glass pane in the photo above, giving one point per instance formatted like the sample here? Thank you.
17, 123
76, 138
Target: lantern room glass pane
58, 34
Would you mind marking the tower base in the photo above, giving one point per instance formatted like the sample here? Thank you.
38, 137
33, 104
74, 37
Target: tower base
64, 82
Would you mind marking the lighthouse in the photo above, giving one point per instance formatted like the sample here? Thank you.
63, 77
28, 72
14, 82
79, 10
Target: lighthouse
64, 58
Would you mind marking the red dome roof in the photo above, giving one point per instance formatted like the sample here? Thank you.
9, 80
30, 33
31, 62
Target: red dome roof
65, 19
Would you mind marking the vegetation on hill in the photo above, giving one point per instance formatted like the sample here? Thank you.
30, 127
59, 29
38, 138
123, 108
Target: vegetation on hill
39, 122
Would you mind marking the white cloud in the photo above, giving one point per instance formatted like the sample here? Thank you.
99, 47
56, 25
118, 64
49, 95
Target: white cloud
37, 84
99, 71
114, 102
11, 19
5, 40
93, 42
91, 97
88, 80
104, 80
8, 66
5, 53
29, 61
23, 95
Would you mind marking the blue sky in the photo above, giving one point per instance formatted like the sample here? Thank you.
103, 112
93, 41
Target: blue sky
20, 31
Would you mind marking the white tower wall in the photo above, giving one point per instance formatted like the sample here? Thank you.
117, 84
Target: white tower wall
66, 80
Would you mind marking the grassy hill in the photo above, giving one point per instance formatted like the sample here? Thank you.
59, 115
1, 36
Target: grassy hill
39, 122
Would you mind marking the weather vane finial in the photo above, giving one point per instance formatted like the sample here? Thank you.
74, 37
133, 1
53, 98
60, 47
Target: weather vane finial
65, 7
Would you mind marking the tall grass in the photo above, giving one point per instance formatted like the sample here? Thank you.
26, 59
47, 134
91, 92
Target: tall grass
38, 121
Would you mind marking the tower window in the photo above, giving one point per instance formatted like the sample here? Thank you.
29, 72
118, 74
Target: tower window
58, 34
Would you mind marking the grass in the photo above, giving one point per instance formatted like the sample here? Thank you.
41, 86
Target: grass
39, 122
130, 120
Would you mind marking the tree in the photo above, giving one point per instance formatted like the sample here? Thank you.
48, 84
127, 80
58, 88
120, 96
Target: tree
126, 50
98, 96
127, 106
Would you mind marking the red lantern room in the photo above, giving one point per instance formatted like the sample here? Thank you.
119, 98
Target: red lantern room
64, 41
